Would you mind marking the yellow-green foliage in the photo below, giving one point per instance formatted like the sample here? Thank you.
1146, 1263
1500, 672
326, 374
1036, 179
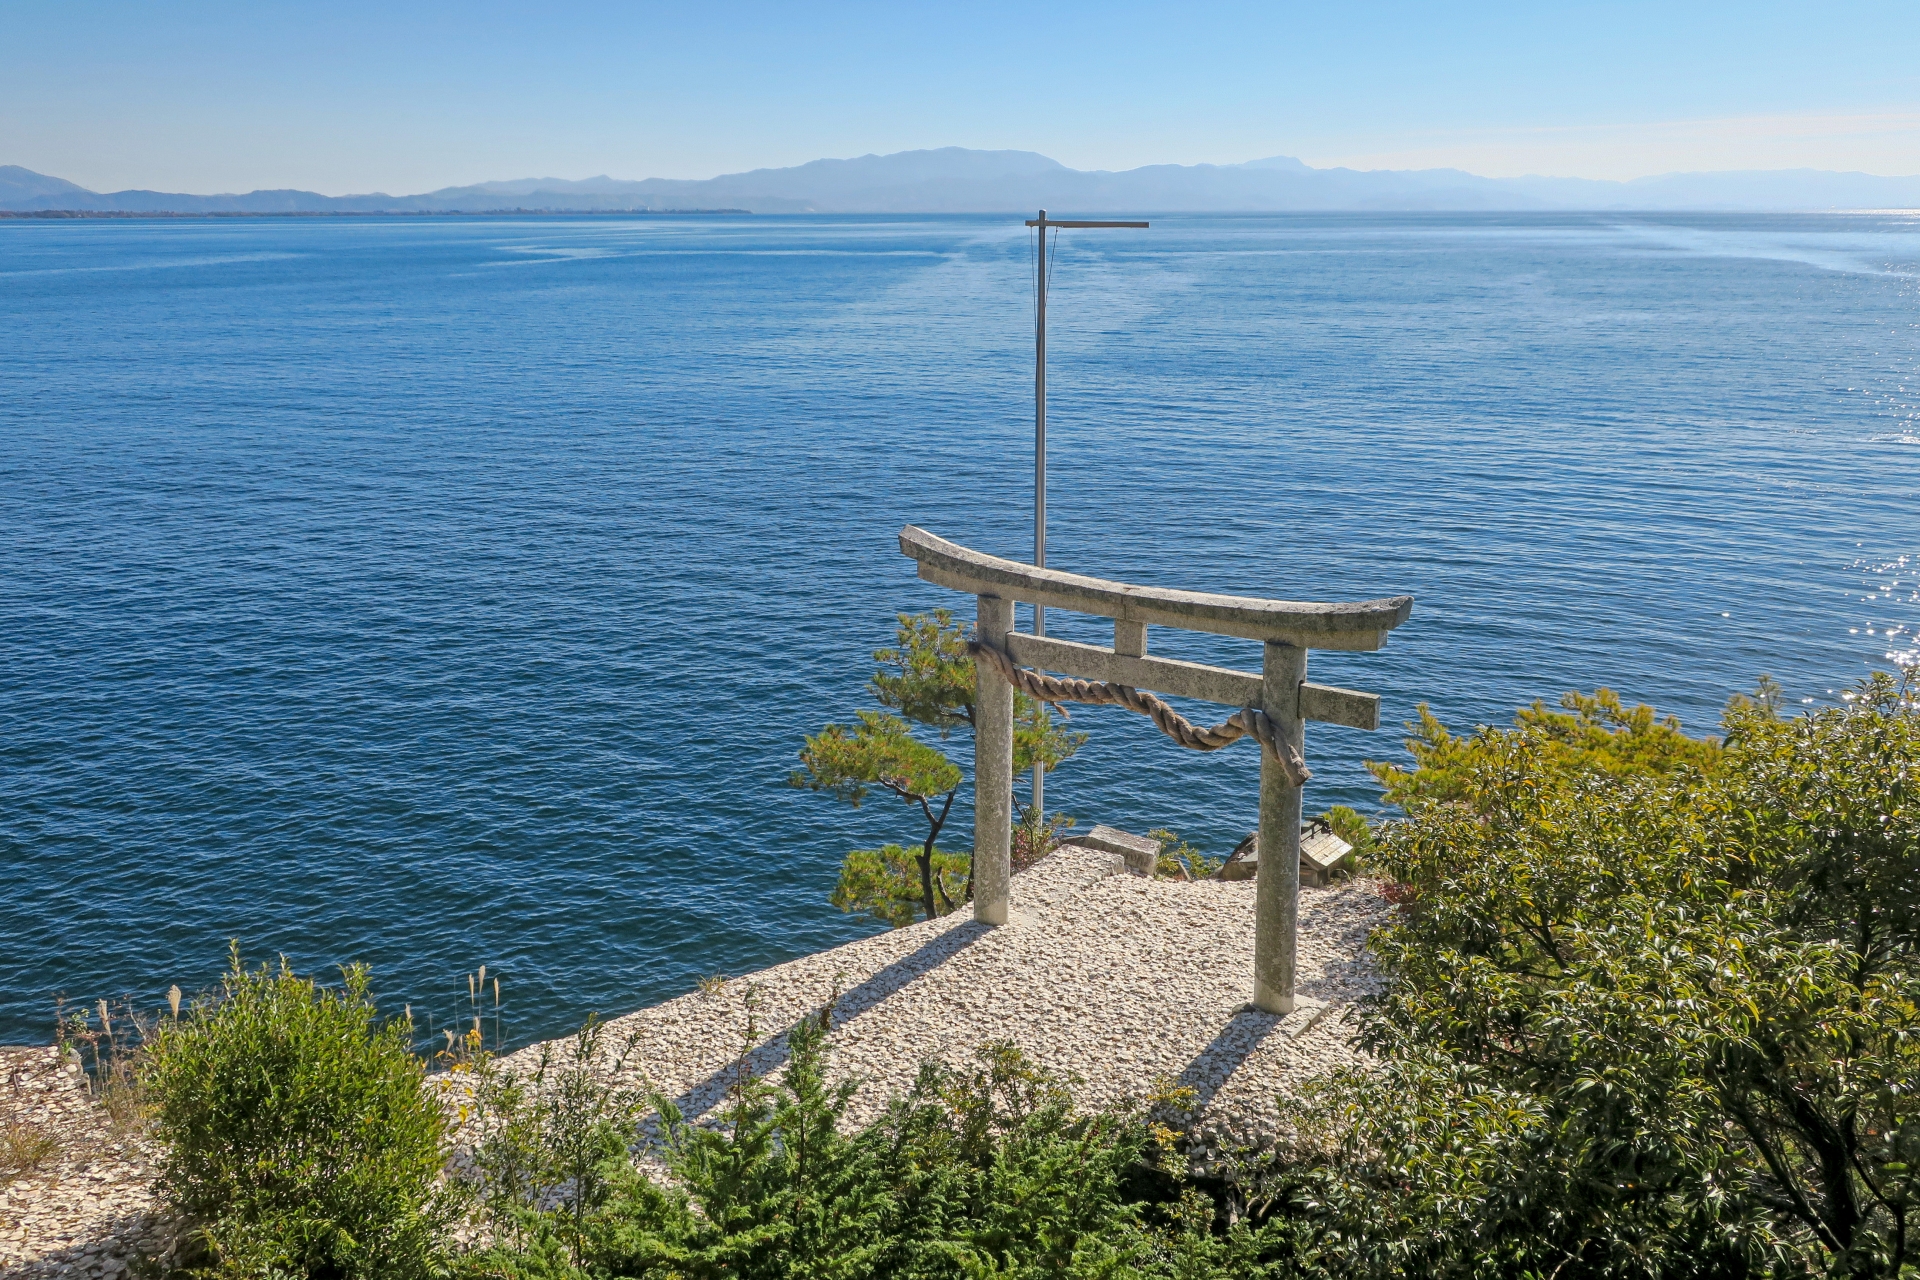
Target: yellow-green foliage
297, 1130
1594, 734
1653, 1009
927, 676
879, 751
1350, 826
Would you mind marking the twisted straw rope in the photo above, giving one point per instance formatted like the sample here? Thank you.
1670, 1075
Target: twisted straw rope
1240, 724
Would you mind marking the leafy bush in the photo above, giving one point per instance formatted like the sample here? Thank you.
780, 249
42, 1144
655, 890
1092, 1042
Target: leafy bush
1596, 736
988, 1172
1034, 835
994, 1173
1179, 860
556, 1139
297, 1129
1654, 1005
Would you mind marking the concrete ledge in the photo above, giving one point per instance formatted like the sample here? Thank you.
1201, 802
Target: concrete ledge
1140, 853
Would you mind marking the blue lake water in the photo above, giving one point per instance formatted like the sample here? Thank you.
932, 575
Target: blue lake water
444, 592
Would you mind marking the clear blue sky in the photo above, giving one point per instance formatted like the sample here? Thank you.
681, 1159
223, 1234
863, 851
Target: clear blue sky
404, 97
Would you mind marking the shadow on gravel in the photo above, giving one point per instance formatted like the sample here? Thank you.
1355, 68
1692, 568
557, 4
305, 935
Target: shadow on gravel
766, 1058
112, 1247
1214, 1065
1340, 979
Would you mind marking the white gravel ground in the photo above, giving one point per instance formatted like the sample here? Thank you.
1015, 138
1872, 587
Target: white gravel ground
1113, 982
87, 1209
1109, 980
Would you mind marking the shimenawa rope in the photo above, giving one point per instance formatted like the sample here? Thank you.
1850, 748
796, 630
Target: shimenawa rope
1241, 723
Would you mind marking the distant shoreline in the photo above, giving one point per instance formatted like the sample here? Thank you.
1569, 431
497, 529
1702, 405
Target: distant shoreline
368, 213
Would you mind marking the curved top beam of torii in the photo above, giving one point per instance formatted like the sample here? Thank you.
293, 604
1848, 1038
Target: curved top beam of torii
1357, 626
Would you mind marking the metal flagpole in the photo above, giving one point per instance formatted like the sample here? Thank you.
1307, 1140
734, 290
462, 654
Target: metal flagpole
1040, 448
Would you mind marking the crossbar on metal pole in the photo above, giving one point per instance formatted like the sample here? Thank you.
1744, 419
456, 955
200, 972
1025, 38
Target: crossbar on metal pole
1040, 446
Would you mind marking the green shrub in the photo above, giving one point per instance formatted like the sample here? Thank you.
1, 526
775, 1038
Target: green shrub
297, 1129
1596, 736
550, 1147
987, 1172
775, 1190
1179, 860
1654, 1006
995, 1173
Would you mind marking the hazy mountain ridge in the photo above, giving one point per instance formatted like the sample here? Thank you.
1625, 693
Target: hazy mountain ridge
959, 180
24, 184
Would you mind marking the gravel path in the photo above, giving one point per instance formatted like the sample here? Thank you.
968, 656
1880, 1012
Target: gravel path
85, 1208
1113, 982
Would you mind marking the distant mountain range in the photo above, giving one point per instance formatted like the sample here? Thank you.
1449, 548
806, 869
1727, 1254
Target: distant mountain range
957, 180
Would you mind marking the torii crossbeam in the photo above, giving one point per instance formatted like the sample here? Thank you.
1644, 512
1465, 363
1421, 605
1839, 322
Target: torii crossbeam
1280, 693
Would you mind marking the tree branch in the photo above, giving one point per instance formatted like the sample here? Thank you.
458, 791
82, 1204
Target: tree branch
1750, 1124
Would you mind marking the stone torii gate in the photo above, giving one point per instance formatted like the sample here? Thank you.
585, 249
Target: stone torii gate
1274, 705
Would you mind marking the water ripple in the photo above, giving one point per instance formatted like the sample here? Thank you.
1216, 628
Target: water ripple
362, 603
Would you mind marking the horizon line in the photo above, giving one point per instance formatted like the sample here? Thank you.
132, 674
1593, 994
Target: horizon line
877, 155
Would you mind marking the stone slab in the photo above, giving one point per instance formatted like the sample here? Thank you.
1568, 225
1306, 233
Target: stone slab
1141, 853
